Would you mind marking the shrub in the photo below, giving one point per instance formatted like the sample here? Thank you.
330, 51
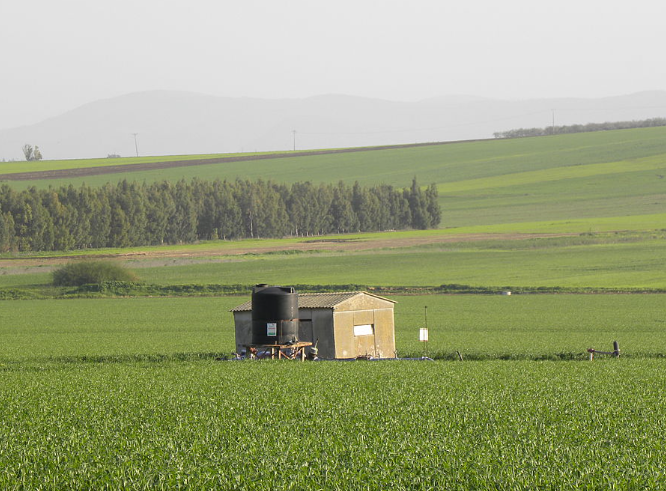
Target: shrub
91, 272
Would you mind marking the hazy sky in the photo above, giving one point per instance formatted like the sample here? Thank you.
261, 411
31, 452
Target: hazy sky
57, 55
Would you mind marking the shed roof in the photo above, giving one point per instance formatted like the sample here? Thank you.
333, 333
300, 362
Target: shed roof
316, 300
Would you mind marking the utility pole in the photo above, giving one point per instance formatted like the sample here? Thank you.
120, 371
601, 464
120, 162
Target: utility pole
553, 110
136, 146
294, 132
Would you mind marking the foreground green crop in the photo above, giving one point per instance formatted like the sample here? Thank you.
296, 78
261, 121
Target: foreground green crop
359, 425
127, 394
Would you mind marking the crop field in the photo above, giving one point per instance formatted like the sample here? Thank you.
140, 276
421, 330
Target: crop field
133, 391
630, 265
128, 393
481, 327
606, 260
57, 165
362, 425
455, 162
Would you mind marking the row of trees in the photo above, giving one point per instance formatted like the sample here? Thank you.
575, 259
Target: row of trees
580, 128
136, 214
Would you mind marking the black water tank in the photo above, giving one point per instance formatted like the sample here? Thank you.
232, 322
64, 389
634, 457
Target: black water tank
274, 315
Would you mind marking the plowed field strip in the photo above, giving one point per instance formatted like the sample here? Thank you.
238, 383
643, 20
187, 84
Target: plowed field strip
335, 245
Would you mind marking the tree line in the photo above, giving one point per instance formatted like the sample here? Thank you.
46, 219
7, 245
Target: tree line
137, 214
580, 128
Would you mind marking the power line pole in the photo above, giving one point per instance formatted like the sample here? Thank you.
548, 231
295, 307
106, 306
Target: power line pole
294, 132
136, 146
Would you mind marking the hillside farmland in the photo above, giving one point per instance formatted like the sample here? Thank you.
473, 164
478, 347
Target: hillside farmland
587, 175
115, 387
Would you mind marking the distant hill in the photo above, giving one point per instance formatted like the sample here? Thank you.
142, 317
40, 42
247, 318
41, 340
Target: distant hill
176, 123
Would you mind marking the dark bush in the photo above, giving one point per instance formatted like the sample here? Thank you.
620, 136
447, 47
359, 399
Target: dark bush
91, 272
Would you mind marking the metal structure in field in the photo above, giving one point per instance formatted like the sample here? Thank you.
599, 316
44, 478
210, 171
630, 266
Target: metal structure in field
341, 325
274, 315
275, 323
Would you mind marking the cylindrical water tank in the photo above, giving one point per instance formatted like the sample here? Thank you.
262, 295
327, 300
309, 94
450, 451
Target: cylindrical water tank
274, 315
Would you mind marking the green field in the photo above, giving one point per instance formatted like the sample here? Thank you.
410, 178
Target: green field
51, 165
132, 393
339, 426
601, 261
633, 265
127, 393
479, 326
589, 176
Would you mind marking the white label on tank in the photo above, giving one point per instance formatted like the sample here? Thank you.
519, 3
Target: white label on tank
271, 329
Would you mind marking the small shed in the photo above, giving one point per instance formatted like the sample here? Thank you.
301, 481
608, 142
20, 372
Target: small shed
344, 325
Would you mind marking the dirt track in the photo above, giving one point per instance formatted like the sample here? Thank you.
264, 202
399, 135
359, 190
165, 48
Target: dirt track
22, 264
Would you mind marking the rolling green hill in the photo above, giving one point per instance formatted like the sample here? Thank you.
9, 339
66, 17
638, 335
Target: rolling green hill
579, 176
586, 184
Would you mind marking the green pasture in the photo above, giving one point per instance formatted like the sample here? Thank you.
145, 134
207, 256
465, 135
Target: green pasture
584, 172
338, 426
619, 261
109, 393
444, 163
37, 330
531, 326
479, 326
618, 190
622, 265
604, 230
652, 223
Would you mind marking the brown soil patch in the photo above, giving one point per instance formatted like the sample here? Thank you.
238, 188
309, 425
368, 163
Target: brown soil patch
148, 258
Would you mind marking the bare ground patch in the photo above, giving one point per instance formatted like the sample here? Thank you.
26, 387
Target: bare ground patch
155, 257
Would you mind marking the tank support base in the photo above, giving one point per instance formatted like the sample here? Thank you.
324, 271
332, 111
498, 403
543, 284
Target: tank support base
292, 351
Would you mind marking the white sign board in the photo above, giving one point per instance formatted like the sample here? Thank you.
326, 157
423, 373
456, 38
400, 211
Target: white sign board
271, 329
363, 330
423, 334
